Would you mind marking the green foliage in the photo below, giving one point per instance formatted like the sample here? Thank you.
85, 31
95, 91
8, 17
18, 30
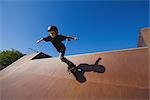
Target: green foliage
9, 56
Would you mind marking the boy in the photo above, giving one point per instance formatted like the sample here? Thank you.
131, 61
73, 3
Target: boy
56, 40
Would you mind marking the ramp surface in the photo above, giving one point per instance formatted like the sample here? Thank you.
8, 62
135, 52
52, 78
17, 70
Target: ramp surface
119, 75
125, 77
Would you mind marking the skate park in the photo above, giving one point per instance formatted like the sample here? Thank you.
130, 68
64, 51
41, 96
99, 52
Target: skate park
40, 77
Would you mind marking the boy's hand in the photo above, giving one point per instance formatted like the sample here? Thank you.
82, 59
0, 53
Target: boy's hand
71, 38
38, 41
75, 38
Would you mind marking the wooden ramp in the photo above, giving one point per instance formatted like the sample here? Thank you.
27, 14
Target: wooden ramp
125, 77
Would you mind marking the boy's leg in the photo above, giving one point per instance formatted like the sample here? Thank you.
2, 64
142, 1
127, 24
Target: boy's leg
62, 53
65, 60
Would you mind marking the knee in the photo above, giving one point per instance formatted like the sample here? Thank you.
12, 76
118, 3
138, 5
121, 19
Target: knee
62, 59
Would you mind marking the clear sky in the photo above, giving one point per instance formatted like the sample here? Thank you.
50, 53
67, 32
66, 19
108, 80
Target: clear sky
100, 25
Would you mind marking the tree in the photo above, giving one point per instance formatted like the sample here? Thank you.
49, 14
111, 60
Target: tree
7, 57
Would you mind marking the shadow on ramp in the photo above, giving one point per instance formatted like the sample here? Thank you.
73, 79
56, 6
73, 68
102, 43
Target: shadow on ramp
84, 67
93, 67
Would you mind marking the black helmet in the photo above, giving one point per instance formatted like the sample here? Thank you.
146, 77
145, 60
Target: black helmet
52, 28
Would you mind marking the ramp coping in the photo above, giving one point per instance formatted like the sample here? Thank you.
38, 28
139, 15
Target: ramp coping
109, 51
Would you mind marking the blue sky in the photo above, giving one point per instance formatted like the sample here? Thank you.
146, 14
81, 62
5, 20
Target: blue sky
99, 25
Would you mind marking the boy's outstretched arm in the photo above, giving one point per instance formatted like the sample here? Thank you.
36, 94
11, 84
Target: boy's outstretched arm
40, 40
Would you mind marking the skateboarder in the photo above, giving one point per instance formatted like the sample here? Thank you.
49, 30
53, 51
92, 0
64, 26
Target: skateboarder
56, 40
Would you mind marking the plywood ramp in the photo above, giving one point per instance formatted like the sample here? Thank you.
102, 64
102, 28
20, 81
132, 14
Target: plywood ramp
125, 78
